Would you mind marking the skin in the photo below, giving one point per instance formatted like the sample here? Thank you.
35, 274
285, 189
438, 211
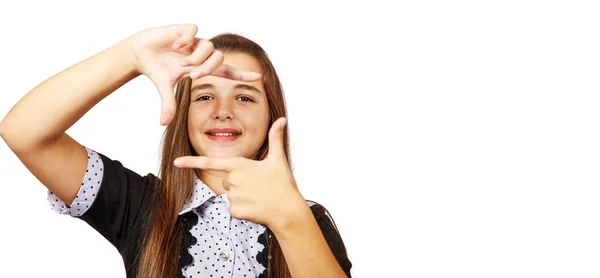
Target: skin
149, 53
265, 192
225, 106
262, 191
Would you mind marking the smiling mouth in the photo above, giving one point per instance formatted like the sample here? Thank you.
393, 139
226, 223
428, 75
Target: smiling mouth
222, 136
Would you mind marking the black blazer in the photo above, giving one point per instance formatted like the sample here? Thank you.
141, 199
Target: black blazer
123, 202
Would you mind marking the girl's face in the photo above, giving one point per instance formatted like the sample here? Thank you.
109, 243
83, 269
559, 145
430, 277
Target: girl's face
226, 117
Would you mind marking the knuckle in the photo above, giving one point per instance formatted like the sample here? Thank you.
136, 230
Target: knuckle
234, 211
236, 196
242, 163
193, 28
201, 71
218, 56
201, 53
185, 39
209, 45
232, 179
227, 72
197, 57
208, 163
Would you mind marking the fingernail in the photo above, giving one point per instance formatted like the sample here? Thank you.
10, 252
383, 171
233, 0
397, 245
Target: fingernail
185, 63
177, 162
194, 74
176, 45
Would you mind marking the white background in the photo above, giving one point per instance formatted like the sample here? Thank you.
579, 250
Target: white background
447, 138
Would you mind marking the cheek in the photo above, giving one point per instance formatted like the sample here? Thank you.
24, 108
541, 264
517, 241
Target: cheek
196, 121
256, 120
252, 126
199, 114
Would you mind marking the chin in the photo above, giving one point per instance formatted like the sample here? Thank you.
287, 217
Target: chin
223, 153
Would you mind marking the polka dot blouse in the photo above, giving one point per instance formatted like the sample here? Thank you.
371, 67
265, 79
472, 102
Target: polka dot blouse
230, 245
223, 247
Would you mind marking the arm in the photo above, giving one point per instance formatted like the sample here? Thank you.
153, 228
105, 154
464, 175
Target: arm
34, 129
307, 251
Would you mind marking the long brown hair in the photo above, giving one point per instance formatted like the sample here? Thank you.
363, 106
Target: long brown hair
162, 243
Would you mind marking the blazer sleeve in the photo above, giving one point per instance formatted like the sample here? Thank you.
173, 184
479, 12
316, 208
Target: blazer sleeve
122, 203
332, 236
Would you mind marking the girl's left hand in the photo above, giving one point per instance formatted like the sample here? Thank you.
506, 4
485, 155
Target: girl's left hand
263, 191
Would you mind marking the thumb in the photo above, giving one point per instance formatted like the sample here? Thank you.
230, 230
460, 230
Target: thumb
276, 139
167, 111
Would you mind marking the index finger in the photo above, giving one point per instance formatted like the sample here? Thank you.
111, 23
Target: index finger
230, 72
226, 164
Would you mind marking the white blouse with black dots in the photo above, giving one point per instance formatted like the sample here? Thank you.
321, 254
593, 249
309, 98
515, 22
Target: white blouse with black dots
232, 243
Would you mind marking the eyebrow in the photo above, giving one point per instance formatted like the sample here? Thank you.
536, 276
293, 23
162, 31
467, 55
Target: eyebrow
238, 86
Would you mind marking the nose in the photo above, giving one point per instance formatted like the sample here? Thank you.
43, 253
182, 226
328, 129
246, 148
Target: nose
223, 111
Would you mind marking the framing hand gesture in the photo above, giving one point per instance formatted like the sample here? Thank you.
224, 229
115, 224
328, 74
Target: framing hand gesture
259, 191
167, 54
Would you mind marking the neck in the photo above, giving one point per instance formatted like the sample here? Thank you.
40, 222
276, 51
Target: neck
214, 180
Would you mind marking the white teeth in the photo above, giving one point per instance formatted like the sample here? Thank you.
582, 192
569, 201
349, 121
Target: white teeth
221, 134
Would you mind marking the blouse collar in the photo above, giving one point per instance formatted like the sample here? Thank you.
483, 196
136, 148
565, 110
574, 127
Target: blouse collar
200, 194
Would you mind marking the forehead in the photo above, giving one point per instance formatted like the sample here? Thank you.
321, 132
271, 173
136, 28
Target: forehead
237, 60
241, 61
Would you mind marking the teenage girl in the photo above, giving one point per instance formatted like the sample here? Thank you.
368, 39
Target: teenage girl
225, 202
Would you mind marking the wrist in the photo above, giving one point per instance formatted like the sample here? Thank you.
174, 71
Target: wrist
294, 215
124, 48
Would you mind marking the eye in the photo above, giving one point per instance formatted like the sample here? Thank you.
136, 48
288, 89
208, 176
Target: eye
245, 99
204, 98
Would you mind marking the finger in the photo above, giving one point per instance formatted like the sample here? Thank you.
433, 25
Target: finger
187, 34
189, 48
203, 50
230, 72
214, 61
167, 102
226, 164
226, 183
276, 139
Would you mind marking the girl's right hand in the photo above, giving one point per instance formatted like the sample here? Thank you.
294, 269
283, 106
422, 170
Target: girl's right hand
167, 54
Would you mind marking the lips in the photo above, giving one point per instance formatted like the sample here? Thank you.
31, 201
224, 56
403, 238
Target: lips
223, 134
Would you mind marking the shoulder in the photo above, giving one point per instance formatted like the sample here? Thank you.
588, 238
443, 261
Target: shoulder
323, 217
120, 176
318, 209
